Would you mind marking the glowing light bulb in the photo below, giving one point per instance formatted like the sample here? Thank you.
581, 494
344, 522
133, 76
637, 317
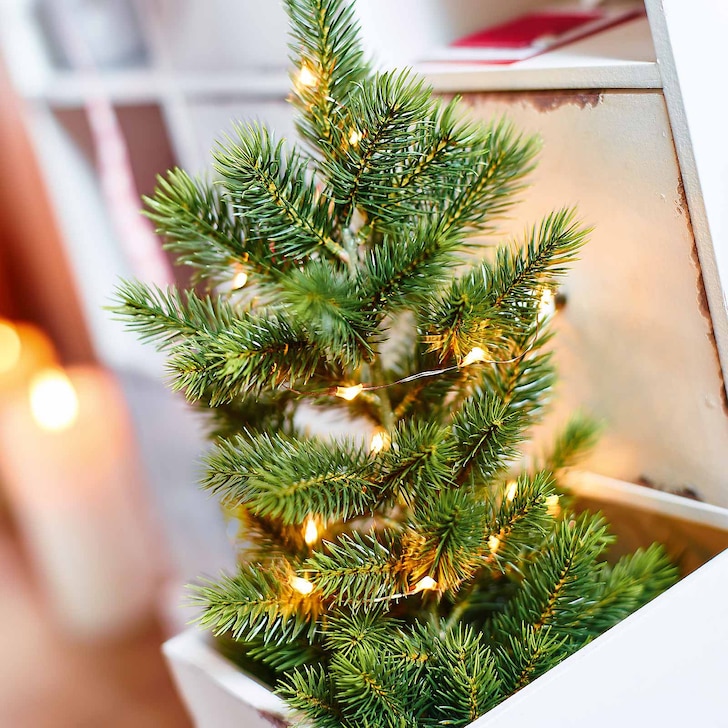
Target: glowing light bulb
301, 585
53, 400
355, 137
552, 505
240, 279
9, 347
310, 532
512, 490
476, 354
306, 77
426, 583
547, 305
349, 393
493, 544
380, 441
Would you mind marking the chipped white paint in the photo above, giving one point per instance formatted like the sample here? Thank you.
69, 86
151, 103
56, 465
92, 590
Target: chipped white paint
690, 43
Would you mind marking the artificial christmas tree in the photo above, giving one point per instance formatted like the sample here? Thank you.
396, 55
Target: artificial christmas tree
414, 577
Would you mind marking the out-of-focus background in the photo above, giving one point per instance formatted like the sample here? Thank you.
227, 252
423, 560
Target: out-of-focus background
101, 521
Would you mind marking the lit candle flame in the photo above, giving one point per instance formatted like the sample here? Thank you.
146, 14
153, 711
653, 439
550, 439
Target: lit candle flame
240, 279
310, 532
475, 355
349, 393
493, 544
301, 585
53, 400
10, 347
512, 490
426, 583
380, 440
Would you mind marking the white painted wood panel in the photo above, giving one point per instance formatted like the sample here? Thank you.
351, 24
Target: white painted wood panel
634, 344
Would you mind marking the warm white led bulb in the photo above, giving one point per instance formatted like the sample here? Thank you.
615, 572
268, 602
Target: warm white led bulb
355, 137
426, 583
553, 508
547, 305
512, 490
310, 532
349, 393
493, 544
380, 440
476, 354
306, 77
301, 585
53, 400
240, 279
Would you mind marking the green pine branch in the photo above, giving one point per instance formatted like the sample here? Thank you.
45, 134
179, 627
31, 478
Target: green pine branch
255, 352
347, 633
524, 379
325, 46
377, 690
327, 301
407, 264
572, 443
527, 653
446, 538
169, 317
274, 186
486, 432
355, 571
258, 602
632, 582
497, 167
522, 271
465, 682
310, 691
201, 229
559, 582
284, 478
518, 522
496, 304
378, 147
419, 459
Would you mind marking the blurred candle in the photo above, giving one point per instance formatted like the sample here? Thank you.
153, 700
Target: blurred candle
24, 349
68, 465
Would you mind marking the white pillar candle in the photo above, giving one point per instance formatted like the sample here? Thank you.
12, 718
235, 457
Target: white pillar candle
69, 468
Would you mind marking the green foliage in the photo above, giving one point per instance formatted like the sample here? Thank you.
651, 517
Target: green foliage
355, 571
486, 431
465, 678
578, 437
632, 582
434, 585
284, 478
257, 602
199, 227
519, 523
447, 538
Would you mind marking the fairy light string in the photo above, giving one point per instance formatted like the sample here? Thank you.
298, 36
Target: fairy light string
475, 356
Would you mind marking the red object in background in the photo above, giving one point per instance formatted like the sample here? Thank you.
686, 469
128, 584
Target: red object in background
525, 32
532, 34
